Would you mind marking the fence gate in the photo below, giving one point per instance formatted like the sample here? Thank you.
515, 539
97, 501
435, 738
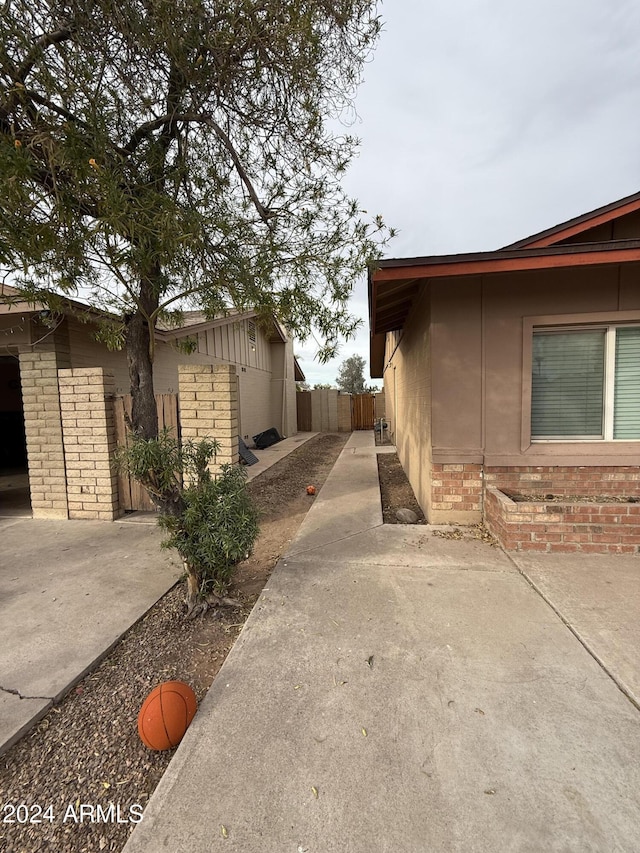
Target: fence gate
362, 416
303, 408
132, 495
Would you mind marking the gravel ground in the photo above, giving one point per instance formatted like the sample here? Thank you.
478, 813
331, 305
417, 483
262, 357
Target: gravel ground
396, 492
86, 751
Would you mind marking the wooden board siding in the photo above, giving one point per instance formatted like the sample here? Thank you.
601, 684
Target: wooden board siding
230, 342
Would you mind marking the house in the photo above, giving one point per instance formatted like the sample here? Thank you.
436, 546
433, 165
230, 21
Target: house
518, 371
37, 357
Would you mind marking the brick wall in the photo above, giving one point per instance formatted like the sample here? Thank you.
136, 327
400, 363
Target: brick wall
88, 427
208, 402
590, 528
43, 426
456, 488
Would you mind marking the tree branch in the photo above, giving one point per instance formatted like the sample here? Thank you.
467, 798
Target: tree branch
149, 126
262, 211
194, 118
41, 44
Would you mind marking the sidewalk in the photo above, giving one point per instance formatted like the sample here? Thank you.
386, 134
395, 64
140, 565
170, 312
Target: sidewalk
270, 455
396, 691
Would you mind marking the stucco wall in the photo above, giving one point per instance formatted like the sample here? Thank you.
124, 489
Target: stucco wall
478, 370
407, 394
255, 402
456, 384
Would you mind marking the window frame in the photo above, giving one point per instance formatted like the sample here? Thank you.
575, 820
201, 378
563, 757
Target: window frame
559, 323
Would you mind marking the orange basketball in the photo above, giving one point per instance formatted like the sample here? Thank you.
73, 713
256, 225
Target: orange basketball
165, 715
311, 490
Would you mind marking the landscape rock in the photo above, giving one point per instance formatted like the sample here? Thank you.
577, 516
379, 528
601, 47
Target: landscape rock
406, 516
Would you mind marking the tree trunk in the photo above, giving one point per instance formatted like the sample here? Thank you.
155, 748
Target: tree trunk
144, 414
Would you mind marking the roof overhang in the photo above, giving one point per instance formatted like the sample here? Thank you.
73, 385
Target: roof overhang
376, 356
395, 283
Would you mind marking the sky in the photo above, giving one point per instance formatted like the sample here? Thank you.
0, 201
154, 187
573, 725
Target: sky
484, 121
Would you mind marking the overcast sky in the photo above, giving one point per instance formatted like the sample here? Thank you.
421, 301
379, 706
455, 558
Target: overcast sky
483, 121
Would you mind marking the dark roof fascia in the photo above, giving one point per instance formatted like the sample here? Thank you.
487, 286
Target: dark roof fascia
505, 255
589, 220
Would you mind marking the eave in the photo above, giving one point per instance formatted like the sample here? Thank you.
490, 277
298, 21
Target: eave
394, 284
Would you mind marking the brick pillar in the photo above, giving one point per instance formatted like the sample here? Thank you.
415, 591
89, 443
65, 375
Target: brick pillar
43, 427
88, 427
208, 400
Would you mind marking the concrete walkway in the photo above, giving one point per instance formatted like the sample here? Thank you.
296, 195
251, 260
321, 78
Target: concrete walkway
397, 691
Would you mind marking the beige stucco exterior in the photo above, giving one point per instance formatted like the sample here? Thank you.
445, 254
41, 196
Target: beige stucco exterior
457, 376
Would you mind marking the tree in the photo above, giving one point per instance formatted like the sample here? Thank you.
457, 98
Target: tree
322, 386
351, 376
157, 156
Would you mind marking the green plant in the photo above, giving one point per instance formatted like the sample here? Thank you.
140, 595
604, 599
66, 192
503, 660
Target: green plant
210, 521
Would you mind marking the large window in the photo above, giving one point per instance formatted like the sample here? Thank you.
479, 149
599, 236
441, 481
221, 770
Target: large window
586, 383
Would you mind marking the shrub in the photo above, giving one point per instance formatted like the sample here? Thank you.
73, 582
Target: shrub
210, 521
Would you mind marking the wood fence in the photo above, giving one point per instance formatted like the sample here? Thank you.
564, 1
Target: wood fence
324, 410
362, 411
133, 496
303, 406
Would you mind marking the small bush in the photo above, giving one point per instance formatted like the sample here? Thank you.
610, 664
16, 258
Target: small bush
211, 522
217, 527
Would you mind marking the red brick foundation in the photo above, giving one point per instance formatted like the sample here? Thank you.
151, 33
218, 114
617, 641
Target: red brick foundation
591, 528
456, 487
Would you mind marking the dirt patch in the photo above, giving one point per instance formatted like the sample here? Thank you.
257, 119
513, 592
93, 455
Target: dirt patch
570, 499
86, 751
395, 489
